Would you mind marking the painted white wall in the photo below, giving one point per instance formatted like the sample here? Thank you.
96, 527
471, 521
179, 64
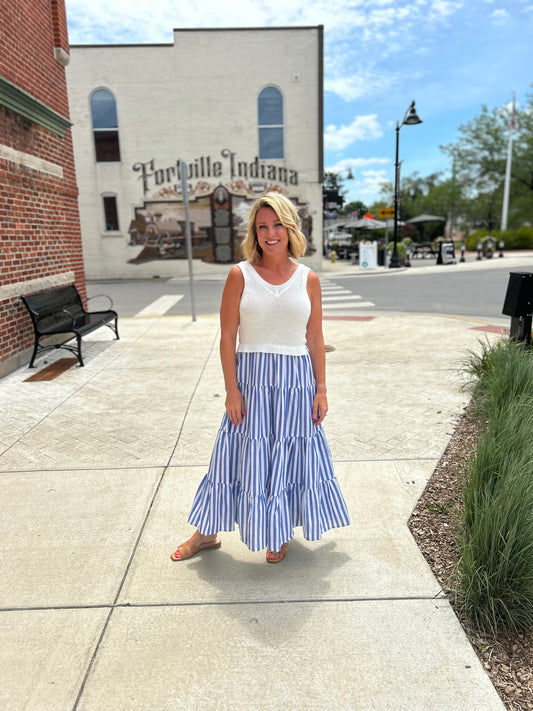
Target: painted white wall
185, 100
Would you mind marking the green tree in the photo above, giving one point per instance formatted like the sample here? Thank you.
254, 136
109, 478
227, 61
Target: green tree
355, 206
479, 158
473, 197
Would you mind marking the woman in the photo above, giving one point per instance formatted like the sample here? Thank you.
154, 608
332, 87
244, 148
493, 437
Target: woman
271, 466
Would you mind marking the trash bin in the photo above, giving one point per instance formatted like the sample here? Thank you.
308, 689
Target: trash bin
381, 256
518, 305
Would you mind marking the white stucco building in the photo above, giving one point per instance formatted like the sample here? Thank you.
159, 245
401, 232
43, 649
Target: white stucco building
242, 108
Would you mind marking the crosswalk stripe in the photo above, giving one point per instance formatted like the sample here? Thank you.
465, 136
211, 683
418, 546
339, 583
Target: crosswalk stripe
342, 298
329, 294
344, 305
160, 306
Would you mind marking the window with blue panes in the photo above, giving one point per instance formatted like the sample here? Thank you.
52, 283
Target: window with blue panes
105, 126
270, 122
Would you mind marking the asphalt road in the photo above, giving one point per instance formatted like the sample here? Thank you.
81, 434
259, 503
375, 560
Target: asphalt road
477, 293
470, 293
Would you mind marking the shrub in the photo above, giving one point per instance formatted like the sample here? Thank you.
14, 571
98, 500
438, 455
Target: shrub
495, 571
400, 248
501, 373
522, 238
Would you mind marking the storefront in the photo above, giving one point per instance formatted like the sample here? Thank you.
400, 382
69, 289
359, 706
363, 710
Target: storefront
240, 110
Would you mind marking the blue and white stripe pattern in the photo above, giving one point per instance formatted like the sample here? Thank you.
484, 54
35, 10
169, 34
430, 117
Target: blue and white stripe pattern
274, 471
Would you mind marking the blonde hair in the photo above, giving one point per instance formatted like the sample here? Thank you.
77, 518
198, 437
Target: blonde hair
287, 215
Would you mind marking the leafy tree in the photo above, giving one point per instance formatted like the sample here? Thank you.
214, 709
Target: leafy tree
479, 158
355, 206
473, 197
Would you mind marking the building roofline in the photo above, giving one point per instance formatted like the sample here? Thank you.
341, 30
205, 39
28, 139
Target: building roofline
100, 46
201, 29
246, 29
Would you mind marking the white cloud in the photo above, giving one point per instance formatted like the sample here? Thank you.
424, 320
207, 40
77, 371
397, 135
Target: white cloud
349, 88
443, 8
373, 181
354, 163
368, 46
366, 186
121, 21
362, 128
500, 15
355, 22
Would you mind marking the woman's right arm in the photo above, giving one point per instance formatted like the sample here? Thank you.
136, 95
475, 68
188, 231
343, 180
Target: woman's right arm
229, 326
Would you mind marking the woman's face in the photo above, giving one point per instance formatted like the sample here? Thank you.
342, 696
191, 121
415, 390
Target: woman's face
272, 237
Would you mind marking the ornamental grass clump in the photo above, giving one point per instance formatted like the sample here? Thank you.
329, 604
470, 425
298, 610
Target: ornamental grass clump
495, 571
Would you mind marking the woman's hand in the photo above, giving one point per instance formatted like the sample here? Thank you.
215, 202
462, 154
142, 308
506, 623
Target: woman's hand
235, 407
320, 407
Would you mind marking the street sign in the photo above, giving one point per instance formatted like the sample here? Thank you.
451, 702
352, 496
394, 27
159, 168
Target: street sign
384, 212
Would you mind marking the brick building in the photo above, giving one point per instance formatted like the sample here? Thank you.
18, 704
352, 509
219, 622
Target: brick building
40, 238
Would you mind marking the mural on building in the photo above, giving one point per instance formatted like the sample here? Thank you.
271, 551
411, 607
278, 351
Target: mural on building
218, 211
218, 219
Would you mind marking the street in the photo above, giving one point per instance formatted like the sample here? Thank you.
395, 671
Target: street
469, 290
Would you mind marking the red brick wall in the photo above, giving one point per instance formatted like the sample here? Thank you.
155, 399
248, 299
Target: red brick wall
28, 31
39, 222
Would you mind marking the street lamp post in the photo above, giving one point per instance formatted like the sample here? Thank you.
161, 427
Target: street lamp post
327, 207
410, 119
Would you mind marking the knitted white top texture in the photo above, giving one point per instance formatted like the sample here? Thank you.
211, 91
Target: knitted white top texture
273, 318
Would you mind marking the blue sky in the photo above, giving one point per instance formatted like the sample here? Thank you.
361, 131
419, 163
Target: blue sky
450, 56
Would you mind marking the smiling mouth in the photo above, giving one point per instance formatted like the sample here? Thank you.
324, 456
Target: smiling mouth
276, 241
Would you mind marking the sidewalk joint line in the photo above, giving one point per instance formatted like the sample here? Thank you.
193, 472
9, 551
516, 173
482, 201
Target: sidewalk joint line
140, 534
440, 596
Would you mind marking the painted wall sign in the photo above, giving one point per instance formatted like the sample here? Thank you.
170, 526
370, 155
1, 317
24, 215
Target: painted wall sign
206, 167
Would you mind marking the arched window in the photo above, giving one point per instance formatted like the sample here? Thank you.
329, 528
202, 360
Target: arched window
270, 121
105, 126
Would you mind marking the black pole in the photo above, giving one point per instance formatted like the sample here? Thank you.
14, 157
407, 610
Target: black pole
394, 260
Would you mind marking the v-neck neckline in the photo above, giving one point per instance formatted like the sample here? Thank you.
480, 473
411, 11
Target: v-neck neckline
275, 288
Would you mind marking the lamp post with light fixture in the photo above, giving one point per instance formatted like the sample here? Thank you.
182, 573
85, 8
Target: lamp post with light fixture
332, 201
348, 177
333, 192
411, 118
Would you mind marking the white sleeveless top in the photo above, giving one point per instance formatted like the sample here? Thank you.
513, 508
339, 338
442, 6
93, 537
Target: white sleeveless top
273, 318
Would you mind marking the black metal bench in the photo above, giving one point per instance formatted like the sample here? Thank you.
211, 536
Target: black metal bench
61, 310
423, 250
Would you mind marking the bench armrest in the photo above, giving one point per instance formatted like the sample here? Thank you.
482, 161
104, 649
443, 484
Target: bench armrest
66, 311
97, 296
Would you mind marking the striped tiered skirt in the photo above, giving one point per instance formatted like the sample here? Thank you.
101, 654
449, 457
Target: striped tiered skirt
273, 472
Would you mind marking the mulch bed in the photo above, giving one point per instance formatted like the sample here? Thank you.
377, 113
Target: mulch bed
507, 658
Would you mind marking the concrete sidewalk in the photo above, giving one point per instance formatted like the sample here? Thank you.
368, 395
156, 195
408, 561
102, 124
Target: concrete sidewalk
515, 260
99, 466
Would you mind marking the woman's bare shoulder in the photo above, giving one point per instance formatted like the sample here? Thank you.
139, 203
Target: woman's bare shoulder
235, 278
313, 281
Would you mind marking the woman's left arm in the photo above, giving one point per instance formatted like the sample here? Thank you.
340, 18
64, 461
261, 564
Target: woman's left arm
315, 345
